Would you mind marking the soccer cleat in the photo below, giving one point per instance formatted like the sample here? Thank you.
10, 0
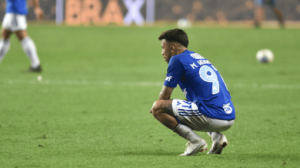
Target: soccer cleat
194, 148
218, 145
37, 69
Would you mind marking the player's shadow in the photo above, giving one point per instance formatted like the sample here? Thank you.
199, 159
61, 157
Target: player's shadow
262, 157
149, 153
232, 157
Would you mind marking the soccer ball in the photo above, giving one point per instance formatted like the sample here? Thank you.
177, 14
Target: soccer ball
264, 56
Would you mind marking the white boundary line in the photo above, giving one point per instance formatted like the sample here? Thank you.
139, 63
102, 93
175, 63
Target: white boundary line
80, 82
141, 84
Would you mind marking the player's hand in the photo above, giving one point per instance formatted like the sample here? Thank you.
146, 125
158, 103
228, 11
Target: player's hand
39, 13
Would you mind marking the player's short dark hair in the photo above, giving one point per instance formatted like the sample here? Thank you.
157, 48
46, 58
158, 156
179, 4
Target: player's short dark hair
175, 35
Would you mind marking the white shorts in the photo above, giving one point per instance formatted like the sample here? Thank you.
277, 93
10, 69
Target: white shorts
187, 113
14, 22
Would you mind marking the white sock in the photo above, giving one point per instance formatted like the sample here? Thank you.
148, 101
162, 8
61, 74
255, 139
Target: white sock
4, 47
187, 133
30, 50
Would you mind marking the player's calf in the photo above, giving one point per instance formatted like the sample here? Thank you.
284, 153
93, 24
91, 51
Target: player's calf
195, 143
4, 47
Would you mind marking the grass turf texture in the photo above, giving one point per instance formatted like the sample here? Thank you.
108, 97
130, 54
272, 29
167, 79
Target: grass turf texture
92, 107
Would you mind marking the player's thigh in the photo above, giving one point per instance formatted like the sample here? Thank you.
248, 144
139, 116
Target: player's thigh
6, 33
187, 113
216, 125
7, 21
14, 22
162, 106
21, 34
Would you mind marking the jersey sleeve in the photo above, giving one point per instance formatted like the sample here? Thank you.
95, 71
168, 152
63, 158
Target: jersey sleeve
175, 72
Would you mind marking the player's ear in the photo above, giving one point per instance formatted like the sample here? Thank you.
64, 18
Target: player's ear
172, 48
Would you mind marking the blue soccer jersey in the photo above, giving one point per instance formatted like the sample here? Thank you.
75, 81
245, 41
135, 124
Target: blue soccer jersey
16, 6
201, 83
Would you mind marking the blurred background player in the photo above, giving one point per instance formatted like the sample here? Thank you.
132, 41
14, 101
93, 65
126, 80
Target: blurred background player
15, 22
259, 12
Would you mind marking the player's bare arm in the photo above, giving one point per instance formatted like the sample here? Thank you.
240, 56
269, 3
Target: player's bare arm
162, 109
165, 93
164, 103
38, 10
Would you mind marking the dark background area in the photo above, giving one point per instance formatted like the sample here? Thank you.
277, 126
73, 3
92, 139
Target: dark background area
208, 10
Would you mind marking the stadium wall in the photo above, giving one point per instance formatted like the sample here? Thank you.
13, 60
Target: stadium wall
126, 12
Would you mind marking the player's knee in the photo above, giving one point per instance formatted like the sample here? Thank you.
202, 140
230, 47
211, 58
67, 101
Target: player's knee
157, 108
2, 33
21, 34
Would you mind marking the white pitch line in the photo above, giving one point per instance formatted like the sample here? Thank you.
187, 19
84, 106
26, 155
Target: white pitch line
140, 84
83, 82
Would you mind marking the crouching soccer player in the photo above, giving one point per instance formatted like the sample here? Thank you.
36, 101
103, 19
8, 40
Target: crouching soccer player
208, 107
15, 22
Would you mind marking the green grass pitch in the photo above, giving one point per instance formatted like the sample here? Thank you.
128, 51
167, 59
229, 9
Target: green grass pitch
91, 108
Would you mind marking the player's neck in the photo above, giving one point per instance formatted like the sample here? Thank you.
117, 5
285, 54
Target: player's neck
180, 50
